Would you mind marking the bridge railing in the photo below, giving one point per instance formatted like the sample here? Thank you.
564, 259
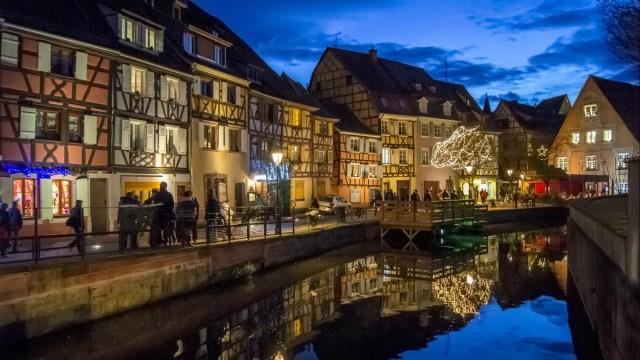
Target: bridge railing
426, 214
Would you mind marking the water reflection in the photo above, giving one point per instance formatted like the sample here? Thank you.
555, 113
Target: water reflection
393, 305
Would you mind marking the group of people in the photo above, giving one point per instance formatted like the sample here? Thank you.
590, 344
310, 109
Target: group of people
10, 225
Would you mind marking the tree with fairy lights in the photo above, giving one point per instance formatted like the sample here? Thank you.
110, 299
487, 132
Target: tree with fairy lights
465, 151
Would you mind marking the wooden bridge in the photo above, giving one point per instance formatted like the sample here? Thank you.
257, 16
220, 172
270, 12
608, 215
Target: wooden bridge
415, 217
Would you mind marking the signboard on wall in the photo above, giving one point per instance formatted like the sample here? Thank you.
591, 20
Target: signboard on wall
355, 196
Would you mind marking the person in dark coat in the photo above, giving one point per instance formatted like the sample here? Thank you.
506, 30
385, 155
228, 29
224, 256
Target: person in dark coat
76, 222
4, 234
427, 197
315, 204
14, 226
212, 212
165, 214
186, 217
415, 197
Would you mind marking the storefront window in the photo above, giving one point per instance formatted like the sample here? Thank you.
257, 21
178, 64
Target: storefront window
61, 197
24, 194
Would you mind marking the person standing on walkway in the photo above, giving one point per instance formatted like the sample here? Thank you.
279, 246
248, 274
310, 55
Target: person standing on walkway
212, 212
186, 218
165, 212
427, 198
76, 222
15, 225
4, 234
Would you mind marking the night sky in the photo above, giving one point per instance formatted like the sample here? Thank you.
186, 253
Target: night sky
515, 49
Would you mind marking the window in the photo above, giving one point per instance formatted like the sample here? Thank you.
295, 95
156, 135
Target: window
402, 156
171, 138
446, 108
591, 137
320, 156
372, 147
24, 195
150, 38
206, 88
437, 131
128, 29
177, 12
355, 171
61, 61
621, 160
372, 171
220, 55
591, 110
139, 34
425, 159
293, 153
254, 74
607, 135
75, 128
354, 144
386, 155
563, 163
172, 88
324, 128
270, 112
402, 128
424, 129
423, 106
61, 197
48, 125
231, 94
294, 117
9, 52
137, 80
298, 186
575, 138
355, 288
189, 43
447, 131
623, 188
138, 136
264, 150
385, 127
234, 140
209, 137
592, 162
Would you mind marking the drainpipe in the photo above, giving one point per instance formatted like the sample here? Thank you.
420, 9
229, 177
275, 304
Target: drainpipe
633, 237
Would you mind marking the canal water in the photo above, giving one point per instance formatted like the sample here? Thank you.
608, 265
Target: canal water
491, 297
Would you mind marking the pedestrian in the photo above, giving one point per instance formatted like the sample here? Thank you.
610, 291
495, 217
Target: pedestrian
76, 222
186, 218
165, 215
123, 221
212, 212
454, 195
4, 234
427, 198
15, 225
415, 197
315, 204
445, 195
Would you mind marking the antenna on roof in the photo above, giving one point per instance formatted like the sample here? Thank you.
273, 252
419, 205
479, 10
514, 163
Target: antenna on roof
335, 38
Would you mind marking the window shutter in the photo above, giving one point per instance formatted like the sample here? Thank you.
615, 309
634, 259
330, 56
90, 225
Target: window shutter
125, 142
380, 169
90, 124
44, 57
196, 86
27, 123
182, 92
239, 95
9, 51
151, 135
317, 127
46, 199
160, 41
182, 141
162, 140
330, 156
126, 78
363, 170
164, 88
349, 166
216, 89
81, 65
244, 138
306, 119
330, 128
222, 140
278, 114
379, 147
224, 92
201, 134
362, 145
150, 84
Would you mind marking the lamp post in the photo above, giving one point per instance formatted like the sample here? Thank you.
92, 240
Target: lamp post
469, 169
510, 175
277, 159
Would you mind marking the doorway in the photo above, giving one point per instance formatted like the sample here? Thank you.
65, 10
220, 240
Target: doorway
403, 189
433, 187
98, 203
239, 192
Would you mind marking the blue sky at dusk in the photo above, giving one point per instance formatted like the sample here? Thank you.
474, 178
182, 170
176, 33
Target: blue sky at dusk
513, 49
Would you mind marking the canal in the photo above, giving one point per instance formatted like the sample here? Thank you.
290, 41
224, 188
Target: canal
501, 297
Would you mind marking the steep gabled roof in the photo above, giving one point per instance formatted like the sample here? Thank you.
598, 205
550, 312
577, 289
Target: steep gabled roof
552, 106
625, 99
544, 117
348, 120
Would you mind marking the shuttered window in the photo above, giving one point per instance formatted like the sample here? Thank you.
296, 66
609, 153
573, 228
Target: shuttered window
74, 128
48, 125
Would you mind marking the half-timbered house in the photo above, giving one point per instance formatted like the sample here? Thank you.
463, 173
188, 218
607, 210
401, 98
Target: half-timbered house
54, 112
357, 173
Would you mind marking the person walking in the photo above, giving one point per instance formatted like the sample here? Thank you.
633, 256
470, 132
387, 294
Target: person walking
14, 226
76, 222
415, 197
4, 234
186, 218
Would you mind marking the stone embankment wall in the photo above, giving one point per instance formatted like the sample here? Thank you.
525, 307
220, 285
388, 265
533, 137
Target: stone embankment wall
535, 214
35, 300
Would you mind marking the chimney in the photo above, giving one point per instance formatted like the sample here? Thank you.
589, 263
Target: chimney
373, 54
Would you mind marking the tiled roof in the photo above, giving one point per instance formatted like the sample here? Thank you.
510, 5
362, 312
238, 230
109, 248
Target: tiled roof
348, 120
625, 99
544, 117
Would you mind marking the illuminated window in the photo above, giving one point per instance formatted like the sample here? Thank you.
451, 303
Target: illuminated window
128, 29
150, 38
299, 190
235, 140
138, 136
354, 144
591, 137
621, 160
355, 171
563, 163
209, 137
575, 138
385, 127
320, 156
607, 135
24, 195
137, 80
294, 117
424, 129
189, 43
293, 152
425, 159
446, 108
171, 138
75, 128
386, 155
437, 130
402, 128
355, 288
220, 55
61, 197
402, 156
172, 87
591, 110
372, 147
373, 169
592, 162
48, 125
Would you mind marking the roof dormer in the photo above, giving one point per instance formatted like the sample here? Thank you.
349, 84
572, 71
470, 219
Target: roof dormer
446, 108
206, 45
423, 105
138, 32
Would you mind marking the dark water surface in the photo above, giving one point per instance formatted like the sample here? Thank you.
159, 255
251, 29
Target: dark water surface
502, 298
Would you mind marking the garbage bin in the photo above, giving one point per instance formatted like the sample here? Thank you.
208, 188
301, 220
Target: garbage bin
341, 214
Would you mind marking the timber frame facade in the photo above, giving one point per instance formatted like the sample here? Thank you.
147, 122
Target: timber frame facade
358, 173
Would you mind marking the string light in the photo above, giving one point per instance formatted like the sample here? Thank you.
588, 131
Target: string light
40, 172
464, 293
464, 148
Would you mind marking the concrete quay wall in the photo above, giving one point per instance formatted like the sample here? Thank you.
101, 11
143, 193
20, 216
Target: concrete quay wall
38, 299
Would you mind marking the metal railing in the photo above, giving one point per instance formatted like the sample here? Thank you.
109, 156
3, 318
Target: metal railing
425, 214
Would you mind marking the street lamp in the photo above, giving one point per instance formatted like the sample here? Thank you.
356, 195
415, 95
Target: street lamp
277, 159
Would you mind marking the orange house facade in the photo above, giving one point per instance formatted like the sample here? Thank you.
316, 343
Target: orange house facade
54, 126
